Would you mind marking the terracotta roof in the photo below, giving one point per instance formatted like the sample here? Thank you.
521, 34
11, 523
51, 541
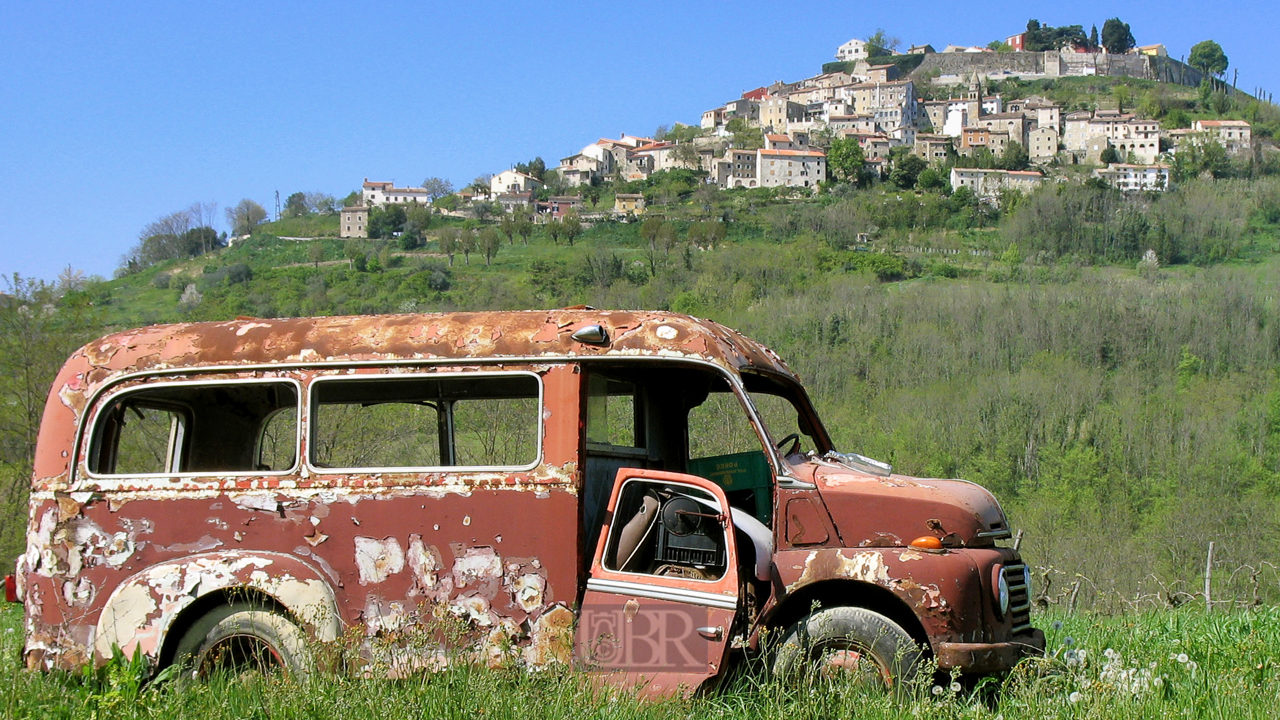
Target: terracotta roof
1223, 123
793, 153
778, 138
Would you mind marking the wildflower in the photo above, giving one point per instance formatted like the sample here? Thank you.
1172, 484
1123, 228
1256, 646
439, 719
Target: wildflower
937, 689
1192, 666
955, 686
1074, 697
1082, 654
1057, 624
1158, 681
1182, 658
1068, 640
1111, 654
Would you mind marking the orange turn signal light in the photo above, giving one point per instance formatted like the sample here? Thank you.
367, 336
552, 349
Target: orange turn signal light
928, 542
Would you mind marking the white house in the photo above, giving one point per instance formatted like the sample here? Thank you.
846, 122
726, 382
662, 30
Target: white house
377, 194
855, 49
1131, 178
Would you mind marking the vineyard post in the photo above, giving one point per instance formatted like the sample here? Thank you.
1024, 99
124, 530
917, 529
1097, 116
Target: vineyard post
1208, 578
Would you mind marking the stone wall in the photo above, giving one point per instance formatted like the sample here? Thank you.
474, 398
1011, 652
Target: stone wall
1053, 64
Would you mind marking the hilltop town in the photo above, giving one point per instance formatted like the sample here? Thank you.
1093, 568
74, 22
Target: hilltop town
935, 106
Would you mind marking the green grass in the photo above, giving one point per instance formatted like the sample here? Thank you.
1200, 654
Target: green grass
306, 226
1231, 670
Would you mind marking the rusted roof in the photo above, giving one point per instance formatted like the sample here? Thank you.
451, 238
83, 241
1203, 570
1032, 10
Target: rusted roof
544, 334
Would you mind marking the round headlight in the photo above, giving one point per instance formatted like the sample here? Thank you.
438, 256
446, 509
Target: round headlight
1002, 592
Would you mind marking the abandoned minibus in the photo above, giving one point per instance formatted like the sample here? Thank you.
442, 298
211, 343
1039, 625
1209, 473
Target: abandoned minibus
646, 495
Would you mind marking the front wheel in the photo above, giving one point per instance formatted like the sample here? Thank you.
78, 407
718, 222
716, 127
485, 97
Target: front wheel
849, 641
241, 638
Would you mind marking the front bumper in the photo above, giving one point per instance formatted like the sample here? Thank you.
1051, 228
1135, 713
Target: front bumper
986, 658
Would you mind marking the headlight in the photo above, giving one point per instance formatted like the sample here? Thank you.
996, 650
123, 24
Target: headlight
1002, 591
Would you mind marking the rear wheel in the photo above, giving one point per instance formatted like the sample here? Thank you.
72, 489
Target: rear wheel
242, 638
849, 642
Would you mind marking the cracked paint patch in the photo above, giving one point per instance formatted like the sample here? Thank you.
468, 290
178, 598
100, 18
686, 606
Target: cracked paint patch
378, 559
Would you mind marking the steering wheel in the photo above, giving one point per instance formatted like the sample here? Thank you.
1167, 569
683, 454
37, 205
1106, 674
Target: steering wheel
793, 437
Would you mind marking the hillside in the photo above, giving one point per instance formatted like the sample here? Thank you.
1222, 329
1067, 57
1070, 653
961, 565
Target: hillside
1126, 411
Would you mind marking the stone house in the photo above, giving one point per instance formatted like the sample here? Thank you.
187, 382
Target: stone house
988, 183
933, 148
628, 204
353, 222
1234, 135
1042, 143
511, 181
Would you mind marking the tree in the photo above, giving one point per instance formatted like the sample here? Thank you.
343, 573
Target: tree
571, 226
999, 46
315, 253
386, 221
245, 217
1093, 38
1116, 37
845, 160
448, 241
667, 237
524, 224
1014, 157
930, 179
881, 44
411, 236
437, 188
468, 243
296, 205
483, 209
1109, 155
490, 242
322, 203
1207, 55
555, 228
508, 227
536, 168
686, 154
906, 169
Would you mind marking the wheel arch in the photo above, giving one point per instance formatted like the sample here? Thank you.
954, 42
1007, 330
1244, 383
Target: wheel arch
150, 610
847, 593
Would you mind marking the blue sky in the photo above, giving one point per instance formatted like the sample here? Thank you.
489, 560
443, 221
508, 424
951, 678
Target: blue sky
118, 113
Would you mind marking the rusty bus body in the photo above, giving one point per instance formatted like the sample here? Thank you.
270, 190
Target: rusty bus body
281, 465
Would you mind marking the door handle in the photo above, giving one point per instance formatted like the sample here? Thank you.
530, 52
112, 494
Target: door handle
712, 633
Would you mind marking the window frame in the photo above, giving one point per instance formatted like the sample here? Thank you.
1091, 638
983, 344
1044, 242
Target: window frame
403, 375
615, 528
92, 438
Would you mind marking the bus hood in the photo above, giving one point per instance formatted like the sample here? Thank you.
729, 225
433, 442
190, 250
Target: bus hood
872, 510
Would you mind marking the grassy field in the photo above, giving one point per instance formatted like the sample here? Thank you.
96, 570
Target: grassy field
1157, 665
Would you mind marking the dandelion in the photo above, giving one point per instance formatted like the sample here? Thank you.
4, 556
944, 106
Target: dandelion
955, 686
1111, 654
1182, 658
1074, 697
1082, 654
1158, 681
937, 689
1057, 624
1192, 666
1068, 640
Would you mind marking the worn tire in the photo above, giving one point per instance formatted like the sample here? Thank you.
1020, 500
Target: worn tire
241, 638
840, 639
